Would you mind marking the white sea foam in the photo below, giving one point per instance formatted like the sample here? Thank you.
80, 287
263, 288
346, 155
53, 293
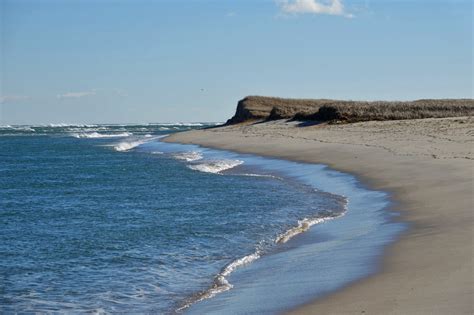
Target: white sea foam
260, 175
188, 156
135, 142
221, 284
101, 135
23, 128
303, 226
215, 166
128, 145
239, 263
61, 125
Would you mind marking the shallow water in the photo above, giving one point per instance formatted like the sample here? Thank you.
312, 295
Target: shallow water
320, 261
106, 218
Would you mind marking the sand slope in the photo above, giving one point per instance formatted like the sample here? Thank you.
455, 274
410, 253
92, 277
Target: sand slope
429, 168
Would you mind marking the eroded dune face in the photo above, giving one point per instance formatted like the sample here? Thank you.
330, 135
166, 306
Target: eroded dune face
262, 107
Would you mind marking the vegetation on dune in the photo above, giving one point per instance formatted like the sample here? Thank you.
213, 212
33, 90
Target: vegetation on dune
262, 107
272, 108
351, 111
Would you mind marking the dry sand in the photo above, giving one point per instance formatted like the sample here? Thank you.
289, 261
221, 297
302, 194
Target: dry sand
428, 167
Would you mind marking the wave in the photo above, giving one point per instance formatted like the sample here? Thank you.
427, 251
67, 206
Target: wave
215, 166
128, 145
62, 125
303, 226
100, 135
18, 128
260, 175
188, 156
221, 284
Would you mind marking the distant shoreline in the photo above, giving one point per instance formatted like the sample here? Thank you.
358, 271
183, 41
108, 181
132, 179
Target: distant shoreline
425, 165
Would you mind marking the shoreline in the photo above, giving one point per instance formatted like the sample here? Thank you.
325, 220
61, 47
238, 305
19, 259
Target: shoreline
315, 246
424, 164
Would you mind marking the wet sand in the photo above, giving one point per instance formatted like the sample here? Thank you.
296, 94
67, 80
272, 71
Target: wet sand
427, 166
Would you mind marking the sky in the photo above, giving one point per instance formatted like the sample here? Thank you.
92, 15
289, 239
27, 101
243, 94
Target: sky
107, 61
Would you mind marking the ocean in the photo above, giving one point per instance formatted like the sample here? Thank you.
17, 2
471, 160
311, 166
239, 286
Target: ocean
108, 219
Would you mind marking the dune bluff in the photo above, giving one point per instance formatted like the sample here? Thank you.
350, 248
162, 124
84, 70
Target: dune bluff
253, 108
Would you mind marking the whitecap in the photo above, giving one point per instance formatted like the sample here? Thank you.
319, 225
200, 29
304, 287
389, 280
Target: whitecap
62, 125
221, 284
303, 226
93, 135
128, 145
188, 156
135, 142
215, 166
18, 128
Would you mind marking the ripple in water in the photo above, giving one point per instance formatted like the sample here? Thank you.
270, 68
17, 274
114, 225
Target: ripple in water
87, 229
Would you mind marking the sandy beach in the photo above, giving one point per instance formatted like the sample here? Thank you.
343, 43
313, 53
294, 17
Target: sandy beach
427, 166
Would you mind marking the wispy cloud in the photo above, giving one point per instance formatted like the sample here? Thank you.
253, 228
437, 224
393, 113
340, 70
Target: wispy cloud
76, 94
12, 98
93, 92
329, 7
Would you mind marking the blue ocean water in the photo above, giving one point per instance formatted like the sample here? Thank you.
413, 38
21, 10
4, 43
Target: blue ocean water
107, 218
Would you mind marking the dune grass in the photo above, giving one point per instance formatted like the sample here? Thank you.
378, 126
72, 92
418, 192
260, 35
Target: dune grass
253, 108
352, 111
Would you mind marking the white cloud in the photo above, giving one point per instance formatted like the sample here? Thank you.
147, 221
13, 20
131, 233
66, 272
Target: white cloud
92, 92
330, 7
12, 98
76, 94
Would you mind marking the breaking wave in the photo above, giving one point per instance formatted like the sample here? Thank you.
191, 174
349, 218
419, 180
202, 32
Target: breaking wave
135, 142
303, 226
215, 166
188, 156
62, 125
17, 128
128, 145
93, 135
221, 284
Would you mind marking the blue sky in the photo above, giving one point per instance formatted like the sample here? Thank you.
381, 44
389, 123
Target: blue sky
163, 61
